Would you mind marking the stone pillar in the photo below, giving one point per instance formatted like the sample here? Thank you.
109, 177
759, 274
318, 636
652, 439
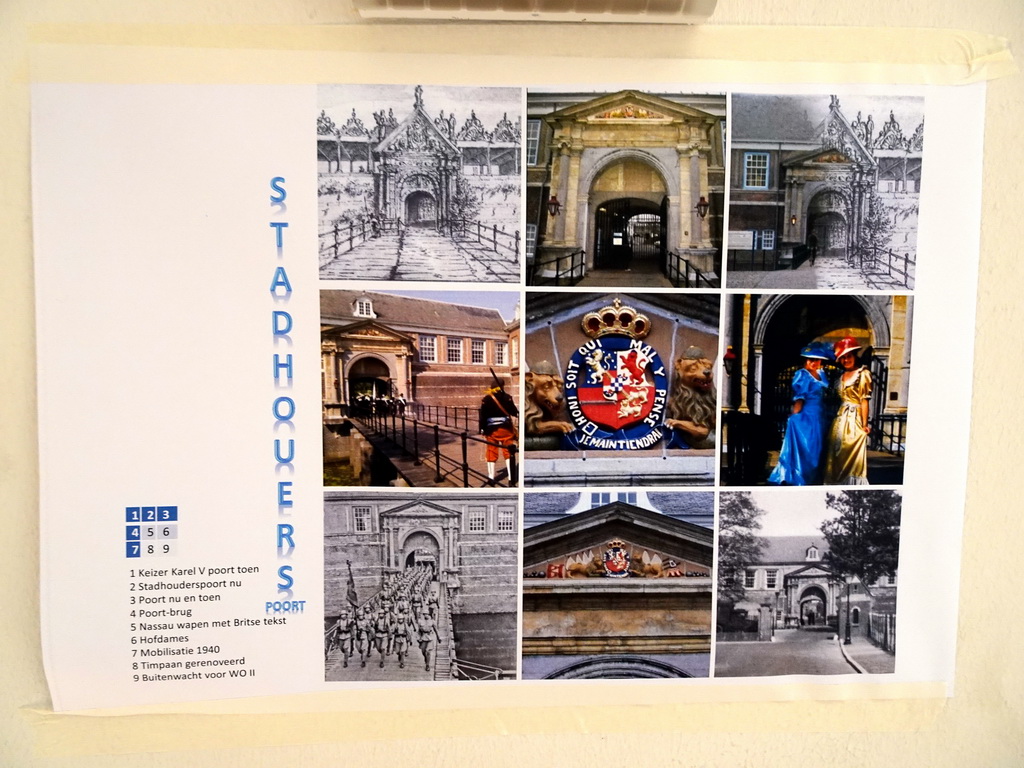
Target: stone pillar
696, 225
758, 372
684, 227
744, 360
764, 622
556, 224
800, 210
674, 233
788, 209
573, 199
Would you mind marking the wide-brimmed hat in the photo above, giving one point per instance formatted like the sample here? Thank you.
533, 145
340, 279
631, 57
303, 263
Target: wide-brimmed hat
844, 346
818, 350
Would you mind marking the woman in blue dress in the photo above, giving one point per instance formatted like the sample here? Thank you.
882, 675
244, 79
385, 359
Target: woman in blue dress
801, 454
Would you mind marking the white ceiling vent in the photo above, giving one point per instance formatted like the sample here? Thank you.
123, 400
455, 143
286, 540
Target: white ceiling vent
638, 11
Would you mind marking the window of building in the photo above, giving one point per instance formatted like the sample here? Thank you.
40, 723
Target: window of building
755, 170
628, 497
771, 579
506, 519
364, 308
477, 519
890, 580
765, 239
812, 553
531, 242
532, 141
501, 353
855, 616
454, 350
748, 579
597, 499
361, 519
478, 352
428, 349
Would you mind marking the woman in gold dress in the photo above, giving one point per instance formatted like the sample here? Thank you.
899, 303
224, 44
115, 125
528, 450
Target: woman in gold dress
846, 461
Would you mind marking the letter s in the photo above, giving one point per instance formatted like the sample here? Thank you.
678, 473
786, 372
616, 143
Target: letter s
277, 184
284, 573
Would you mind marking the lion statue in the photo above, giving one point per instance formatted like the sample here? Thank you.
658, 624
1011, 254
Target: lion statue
692, 404
544, 402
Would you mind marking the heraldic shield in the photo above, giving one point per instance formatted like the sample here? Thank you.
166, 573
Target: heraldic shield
617, 390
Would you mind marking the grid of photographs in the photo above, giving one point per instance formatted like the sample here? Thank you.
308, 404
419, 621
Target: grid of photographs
590, 360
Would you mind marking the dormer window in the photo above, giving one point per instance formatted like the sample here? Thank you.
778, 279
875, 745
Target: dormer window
812, 553
364, 308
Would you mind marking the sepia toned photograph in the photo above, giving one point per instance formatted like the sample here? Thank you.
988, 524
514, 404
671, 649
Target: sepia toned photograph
419, 183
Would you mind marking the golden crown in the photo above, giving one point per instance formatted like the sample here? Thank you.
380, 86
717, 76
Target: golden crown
616, 543
616, 318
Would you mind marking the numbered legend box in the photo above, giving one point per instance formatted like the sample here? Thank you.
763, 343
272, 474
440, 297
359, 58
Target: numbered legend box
151, 531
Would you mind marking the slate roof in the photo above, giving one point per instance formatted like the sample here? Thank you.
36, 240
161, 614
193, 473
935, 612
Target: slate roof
791, 549
336, 308
757, 117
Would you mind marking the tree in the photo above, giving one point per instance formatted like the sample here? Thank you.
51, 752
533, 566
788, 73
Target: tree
877, 224
739, 520
864, 540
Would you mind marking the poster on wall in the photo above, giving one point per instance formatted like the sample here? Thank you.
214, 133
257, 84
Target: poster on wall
351, 385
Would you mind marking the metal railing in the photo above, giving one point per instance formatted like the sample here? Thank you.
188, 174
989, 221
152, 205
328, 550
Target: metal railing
449, 415
882, 630
898, 267
561, 269
342, 238
683, 274
889, 433
761, 259
490, 235
470, 670
424, 447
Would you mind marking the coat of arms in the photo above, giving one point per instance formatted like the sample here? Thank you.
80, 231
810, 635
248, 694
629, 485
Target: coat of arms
615, 385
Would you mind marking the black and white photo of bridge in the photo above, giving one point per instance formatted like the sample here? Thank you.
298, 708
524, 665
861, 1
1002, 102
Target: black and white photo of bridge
419, 183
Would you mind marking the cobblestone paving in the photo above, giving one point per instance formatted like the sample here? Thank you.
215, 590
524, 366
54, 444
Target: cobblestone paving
422, 254
828, 272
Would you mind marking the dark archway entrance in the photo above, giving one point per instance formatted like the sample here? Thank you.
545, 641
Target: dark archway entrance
813, 607
629, 230
798, 321
369, 378
828, 216
420, 209
421, 549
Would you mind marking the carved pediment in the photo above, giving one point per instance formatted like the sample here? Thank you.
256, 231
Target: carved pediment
629, 105
416, 134
616, 558
364, 329
617, 540
630, 111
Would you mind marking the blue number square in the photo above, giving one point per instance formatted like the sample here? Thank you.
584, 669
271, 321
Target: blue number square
131, 549
167, 514
149, 514
132, 514
131, 532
